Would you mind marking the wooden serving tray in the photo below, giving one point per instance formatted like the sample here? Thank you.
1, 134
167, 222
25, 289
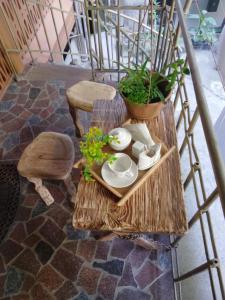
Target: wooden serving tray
125, 193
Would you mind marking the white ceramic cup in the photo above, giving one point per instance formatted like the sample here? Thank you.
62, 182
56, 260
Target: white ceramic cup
121, 167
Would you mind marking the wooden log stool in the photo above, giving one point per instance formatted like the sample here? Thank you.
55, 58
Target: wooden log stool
82, 96
49, 156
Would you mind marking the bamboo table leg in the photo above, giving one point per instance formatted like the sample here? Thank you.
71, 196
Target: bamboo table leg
71, 188
78, 126
149, 245
136, 239
108, 237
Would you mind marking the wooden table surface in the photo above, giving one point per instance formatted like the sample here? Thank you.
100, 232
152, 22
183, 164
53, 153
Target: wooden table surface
157, 206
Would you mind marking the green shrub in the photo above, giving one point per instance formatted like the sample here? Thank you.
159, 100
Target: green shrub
92, 149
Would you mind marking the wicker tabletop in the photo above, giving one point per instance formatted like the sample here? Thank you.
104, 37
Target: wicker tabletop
157, 206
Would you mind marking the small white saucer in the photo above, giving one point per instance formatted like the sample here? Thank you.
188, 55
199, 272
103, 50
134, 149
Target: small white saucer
119, 182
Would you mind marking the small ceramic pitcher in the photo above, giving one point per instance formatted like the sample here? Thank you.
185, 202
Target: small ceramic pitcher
149, 157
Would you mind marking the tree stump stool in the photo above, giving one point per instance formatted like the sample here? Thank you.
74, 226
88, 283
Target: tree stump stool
82, 96
49, 156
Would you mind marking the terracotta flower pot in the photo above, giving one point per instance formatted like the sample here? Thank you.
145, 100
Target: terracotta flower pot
147, 111
143, 111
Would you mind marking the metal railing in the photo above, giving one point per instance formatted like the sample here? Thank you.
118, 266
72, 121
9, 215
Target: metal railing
196, 173
109, 38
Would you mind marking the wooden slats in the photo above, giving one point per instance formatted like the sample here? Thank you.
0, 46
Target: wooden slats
23, 18
5, 72
18, 21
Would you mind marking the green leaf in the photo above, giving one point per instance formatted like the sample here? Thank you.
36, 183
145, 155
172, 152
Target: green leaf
186, 71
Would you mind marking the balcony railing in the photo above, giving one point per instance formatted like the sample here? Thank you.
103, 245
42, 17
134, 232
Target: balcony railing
108, 38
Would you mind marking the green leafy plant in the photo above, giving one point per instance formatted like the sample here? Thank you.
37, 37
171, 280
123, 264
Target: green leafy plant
178, 68
92, 149
205, 31
142, 86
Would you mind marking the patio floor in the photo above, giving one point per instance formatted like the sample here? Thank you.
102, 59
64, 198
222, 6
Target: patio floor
43, 257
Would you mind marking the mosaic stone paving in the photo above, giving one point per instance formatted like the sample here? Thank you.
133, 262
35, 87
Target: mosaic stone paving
43, 257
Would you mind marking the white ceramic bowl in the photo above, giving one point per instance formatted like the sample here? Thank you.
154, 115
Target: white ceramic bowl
124, 137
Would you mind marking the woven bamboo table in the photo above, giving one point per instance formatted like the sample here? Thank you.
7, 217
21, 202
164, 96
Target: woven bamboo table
156, 207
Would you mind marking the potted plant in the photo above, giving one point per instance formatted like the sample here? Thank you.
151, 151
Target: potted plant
145, 92
205, 34
92, 149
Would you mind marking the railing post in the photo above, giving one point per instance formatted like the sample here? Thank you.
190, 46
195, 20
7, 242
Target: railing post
89, 36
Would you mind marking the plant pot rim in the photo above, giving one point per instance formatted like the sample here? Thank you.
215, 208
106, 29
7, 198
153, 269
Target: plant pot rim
142, 104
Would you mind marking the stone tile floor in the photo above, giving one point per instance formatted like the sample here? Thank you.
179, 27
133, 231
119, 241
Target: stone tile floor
43, 257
